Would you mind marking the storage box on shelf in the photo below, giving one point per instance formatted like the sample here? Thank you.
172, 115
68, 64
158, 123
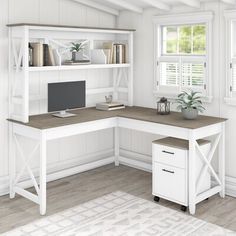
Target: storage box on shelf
170, 169
58, 37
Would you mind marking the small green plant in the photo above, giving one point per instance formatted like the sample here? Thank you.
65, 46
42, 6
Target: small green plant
76, 47
190, 100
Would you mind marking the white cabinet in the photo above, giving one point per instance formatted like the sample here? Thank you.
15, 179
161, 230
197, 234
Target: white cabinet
170, 169
169, 182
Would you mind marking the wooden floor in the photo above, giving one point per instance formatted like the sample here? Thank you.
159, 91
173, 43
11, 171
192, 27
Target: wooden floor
77, 189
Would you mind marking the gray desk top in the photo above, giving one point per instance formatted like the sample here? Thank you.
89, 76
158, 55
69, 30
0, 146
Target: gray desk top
178, 143
47, 121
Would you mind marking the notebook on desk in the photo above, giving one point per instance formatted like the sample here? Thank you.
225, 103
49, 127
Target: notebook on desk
104, 106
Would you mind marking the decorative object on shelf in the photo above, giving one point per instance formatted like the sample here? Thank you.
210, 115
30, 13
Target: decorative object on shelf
190, 104
100, 56
109, 99
163, 106
78, 50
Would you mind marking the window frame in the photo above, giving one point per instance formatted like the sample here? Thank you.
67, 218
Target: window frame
230, 17
205, 18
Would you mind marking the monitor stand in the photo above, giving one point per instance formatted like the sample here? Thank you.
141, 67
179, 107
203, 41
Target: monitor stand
63, 114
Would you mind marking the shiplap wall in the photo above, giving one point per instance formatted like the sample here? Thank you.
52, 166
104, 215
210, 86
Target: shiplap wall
144, 72
72, 151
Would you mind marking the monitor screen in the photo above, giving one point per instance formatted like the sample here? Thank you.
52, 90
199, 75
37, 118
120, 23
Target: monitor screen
66, 95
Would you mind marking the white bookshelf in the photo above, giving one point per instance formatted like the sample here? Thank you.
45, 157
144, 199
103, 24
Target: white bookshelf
20, 35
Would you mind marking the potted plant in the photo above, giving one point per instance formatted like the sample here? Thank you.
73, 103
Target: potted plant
76, 49
190, 104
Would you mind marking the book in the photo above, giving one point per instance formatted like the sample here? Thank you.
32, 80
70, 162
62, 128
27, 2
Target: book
109, 106
117, 52
114, 54
120, 53
37, 54
78, 62
109, 46
107, 53
45, 55
51, 60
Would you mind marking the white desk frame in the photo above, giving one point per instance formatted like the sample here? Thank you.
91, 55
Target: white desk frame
42, 136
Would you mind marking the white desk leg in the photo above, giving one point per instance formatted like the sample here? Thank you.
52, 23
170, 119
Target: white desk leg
222, 161
12, 161
117, 145
191, 174
43, 175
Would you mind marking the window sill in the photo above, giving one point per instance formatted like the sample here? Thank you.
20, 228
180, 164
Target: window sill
173, 97
230, 101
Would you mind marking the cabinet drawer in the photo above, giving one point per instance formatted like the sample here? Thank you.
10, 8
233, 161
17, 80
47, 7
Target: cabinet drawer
170, 183
169, 155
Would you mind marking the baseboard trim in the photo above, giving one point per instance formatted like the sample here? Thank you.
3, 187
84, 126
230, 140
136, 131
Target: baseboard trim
230, 186
135, 164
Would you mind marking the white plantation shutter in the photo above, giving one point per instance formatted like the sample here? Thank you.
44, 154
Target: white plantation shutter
193, 74
169, 74
182, 54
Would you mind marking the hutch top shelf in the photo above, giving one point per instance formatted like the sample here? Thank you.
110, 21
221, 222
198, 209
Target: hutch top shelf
70, 28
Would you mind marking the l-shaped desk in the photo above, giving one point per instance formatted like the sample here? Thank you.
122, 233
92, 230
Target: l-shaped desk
47, 127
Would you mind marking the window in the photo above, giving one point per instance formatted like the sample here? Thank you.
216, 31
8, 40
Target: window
231, 57
184, 40
183, 53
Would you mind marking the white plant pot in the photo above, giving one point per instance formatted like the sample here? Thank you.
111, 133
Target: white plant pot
77, 56
190, 113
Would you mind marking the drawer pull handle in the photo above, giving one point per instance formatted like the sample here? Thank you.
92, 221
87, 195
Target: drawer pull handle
172, 172
172, 153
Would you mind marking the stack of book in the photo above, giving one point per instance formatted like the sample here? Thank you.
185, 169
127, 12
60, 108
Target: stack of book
79, 62
104, 106
42, 55
116, 52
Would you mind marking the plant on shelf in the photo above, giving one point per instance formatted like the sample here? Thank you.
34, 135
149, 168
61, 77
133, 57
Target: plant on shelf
76, 48
190, 104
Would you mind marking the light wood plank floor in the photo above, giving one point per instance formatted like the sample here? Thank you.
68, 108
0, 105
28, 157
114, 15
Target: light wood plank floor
69, 192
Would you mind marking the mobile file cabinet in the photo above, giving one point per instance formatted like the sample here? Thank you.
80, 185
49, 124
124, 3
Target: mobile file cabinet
170, 170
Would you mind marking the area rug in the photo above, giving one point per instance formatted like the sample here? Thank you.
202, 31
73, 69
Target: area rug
120, 214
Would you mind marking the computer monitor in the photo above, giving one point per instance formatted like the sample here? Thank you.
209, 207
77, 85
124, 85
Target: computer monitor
64, 96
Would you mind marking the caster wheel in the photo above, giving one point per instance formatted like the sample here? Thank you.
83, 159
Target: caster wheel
156, 199
183, 208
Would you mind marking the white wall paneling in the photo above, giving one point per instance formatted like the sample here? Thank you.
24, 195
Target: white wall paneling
191, 3
98, 6
127, 5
